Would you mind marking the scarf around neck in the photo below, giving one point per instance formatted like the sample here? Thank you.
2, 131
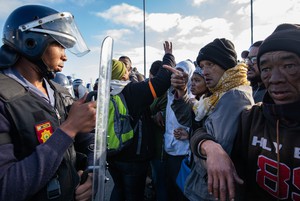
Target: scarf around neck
231, 78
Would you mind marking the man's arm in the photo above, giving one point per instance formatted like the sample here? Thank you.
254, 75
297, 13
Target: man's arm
145, 92
183, 110
221, 173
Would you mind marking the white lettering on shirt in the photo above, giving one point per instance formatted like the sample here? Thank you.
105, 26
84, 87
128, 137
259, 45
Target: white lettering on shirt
297, 152
263, 143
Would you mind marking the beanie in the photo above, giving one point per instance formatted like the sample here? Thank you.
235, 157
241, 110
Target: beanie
155, 66
221, 51
118, 70
286, 37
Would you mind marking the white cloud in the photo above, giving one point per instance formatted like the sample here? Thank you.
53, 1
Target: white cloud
116, 34
265, 11
187, 24
124, 14
198, 2
161, 22
137, 57
241, 1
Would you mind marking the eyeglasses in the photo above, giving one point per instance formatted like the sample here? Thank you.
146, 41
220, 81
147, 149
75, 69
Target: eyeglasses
251, 60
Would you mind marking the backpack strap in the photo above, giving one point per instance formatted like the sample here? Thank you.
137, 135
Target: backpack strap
137, 126
124, 102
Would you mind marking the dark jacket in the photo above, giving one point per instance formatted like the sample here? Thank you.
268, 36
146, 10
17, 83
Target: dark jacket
263, 130
138, 98
24, 115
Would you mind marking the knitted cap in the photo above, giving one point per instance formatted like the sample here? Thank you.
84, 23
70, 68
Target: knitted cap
286, 37
220, 51
118, 70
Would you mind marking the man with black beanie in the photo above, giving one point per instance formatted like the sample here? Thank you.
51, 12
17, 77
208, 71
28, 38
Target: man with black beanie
266, 154
217, 113
220, 51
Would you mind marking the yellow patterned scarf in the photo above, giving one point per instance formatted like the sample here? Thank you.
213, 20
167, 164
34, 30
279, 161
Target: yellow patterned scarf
231, 78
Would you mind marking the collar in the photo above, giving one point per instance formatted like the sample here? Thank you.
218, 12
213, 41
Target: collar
288, 112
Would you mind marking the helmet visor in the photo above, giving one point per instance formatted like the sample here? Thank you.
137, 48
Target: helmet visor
61, 27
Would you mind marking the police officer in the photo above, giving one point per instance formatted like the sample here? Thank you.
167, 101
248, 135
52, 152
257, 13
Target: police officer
39, 135
63, 80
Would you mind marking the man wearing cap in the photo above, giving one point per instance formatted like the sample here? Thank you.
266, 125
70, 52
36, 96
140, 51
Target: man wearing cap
266, 152
253, 74
230, 90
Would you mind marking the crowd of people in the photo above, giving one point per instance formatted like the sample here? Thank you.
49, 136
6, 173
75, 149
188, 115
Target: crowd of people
237, 122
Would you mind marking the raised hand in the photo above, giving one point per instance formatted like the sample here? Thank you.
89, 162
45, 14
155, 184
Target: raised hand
168, 47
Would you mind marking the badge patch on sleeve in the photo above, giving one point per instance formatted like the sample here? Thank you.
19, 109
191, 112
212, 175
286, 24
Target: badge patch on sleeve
43, 131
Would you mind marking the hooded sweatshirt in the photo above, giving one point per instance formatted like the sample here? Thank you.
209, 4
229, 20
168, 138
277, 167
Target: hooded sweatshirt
173, 146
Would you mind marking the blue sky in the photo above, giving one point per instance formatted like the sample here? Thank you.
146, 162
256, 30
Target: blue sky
189, 24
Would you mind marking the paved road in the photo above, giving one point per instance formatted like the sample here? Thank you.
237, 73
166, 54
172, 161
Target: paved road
108, 187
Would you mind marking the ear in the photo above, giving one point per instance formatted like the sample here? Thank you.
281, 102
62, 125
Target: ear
124, 77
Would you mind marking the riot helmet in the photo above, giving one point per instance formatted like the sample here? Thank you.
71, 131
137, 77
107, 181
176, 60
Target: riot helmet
77, 82
61, 79
30, 29
70, 79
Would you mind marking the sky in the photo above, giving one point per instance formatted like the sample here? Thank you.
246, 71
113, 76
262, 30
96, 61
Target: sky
188, 24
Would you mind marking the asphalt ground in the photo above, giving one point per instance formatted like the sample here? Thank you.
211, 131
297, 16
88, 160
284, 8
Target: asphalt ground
108, 187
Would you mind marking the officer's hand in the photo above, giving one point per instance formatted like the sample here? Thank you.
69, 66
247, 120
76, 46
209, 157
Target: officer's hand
81, 119
84, 191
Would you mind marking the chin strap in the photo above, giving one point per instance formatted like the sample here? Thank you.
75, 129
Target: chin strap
43, 69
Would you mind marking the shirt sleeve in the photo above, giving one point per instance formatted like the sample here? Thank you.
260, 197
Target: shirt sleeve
138, 96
